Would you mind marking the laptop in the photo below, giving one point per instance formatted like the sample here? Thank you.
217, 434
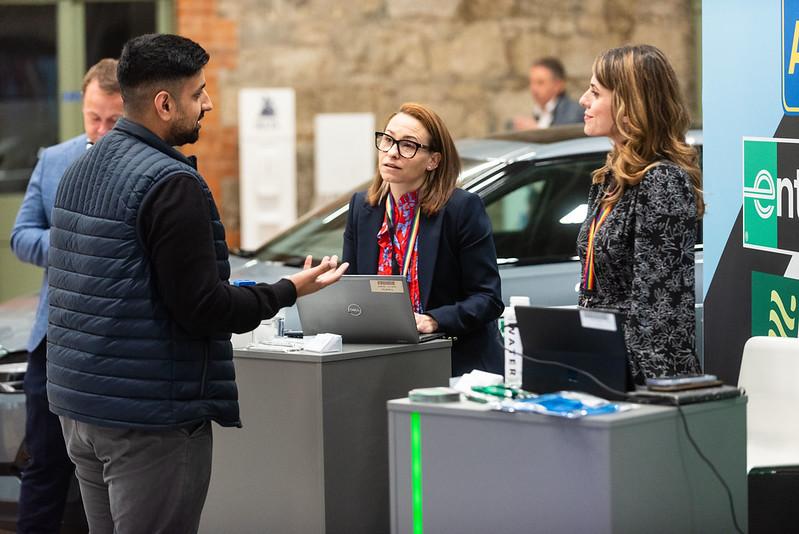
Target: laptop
589, 340
363, 309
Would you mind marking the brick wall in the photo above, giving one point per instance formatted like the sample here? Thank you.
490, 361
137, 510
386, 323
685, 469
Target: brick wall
217, 149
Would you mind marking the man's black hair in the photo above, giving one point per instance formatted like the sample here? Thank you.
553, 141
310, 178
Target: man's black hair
153, 58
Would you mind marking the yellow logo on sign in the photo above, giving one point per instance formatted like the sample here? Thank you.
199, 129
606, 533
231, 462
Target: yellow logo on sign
790, 56
783, 319
794, 49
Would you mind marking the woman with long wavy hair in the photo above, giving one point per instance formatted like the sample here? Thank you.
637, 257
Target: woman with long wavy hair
636, 245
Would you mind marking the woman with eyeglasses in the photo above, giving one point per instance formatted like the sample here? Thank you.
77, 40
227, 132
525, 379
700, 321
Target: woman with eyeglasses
637, 243
414, 222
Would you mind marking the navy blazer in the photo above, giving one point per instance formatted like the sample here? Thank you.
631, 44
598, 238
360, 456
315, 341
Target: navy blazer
567, 111
459, 281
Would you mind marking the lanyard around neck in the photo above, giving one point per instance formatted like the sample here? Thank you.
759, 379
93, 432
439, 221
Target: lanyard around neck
410, 241
589, 276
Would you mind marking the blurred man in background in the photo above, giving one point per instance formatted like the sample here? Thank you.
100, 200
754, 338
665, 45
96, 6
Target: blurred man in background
551, 105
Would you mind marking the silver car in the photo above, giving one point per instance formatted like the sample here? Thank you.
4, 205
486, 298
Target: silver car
534, 186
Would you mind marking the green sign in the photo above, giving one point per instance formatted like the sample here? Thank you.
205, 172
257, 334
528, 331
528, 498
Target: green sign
760, 193
774, 305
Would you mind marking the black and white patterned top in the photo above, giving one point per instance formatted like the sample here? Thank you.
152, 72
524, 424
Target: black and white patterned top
644, 267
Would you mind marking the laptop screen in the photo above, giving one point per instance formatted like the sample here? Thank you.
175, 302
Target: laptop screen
590, 340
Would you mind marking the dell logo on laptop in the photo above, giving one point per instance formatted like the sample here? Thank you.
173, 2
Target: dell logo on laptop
354, 310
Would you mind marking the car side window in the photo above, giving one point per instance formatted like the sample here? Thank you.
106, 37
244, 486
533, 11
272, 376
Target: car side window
512, 212
537, 209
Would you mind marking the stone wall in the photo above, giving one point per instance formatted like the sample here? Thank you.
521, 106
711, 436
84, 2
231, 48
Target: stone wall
467, 59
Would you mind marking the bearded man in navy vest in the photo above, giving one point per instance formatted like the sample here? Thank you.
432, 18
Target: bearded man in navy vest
139, 360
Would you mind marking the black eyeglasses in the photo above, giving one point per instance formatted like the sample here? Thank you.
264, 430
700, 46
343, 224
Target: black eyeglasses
407, 148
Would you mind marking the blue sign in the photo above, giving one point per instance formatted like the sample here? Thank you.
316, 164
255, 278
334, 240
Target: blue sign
790, 56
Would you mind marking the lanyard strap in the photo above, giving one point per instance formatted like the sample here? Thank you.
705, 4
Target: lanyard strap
410, 241
589, 277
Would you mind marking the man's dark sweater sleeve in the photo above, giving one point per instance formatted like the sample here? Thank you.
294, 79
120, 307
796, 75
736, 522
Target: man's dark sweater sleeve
175, 227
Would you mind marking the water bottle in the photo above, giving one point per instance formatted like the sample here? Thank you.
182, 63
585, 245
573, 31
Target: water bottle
513, 343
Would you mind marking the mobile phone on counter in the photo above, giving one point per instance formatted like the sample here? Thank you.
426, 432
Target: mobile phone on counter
677, 383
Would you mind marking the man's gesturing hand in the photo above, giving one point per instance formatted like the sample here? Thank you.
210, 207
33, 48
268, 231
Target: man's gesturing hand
312, 279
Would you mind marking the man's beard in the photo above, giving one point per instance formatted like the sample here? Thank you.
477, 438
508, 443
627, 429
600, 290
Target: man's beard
180, 135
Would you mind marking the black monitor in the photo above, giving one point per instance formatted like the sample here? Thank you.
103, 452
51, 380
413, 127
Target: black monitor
590, 340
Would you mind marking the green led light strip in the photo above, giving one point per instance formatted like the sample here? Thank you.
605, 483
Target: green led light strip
416, 472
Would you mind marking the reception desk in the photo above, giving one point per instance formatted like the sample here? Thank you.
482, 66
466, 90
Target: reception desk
313, 454
484, 471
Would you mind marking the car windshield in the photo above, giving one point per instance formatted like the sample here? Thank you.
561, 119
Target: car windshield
321, 234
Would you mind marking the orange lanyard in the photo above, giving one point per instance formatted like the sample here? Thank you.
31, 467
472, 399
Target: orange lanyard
589, 277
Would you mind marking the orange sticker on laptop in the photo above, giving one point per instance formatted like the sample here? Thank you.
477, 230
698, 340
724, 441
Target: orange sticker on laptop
386, 286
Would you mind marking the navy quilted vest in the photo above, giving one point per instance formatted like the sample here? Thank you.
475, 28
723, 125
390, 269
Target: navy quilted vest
114, 356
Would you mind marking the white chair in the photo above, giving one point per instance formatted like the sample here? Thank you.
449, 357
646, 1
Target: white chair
770, 376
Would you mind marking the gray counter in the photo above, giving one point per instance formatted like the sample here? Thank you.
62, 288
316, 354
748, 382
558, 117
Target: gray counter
486, 471
313, 454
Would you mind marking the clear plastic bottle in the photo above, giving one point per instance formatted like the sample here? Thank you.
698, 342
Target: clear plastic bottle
513, 342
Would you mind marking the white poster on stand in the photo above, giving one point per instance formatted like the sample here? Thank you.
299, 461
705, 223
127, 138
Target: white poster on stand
344, 152
267, 163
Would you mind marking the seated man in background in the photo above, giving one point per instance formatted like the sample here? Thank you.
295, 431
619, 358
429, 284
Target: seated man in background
551, 105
